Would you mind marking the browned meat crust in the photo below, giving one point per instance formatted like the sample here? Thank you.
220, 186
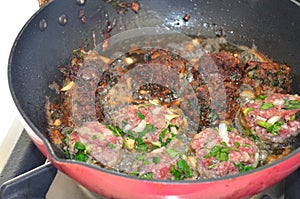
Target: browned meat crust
267, 77
217, 80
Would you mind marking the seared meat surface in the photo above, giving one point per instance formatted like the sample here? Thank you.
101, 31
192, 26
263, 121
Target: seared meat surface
217, 80
267, 77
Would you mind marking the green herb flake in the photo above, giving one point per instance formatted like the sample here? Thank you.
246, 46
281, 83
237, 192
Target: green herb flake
68, 155
246, 110
266, 106
163, 135
114, 130
156, 159
261, 97
140, 145
146, 162
254, 75
172, 153
221, 153
271, 128
140, 157
124, 122
243, 168
275, 128
140, 115
246, 145
211, 166
81, 157
94, 137
181, 171
251, 135
297, 116
263, 124
229, 128
148, 175
150, 128
79, 146
293, 117
111, 145
292, 104
135, 173
237, 144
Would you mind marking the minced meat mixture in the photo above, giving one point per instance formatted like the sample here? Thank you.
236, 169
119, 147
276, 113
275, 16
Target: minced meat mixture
219, 152
274, 118
154, 114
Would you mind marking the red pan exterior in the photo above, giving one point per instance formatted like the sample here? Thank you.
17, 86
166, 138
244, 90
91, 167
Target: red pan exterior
118, 186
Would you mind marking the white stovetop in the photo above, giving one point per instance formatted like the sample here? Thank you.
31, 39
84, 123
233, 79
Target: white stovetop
14, 15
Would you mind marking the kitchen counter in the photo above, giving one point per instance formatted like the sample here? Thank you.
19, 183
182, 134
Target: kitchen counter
14, 16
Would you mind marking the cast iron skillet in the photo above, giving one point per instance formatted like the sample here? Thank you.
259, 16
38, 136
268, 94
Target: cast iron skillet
48, 38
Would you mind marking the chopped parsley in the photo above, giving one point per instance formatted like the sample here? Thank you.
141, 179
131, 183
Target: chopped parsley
246, 144
117, 131
220, 152
297, 116
140, 144
140, 115
163, 135
251, 134
148, 175
246, 110
243, 168
81, 154
292, 104
111, 145
261, 97
229, 128
237, 144
266, 106
94, 137
172, 153
181, 171
156, 159
150, 128
143, 158
79, 146
68, 155
271, 128
211, 166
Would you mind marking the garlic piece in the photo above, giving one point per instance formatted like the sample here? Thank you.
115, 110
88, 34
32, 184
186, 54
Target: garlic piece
223, 133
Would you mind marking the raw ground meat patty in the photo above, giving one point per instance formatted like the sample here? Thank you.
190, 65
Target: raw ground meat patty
274, 119
219, 153
155, 164
154, 124
100, 143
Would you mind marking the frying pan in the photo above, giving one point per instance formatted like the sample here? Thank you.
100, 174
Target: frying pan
48, 38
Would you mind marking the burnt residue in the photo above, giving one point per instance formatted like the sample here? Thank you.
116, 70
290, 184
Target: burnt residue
123, 6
